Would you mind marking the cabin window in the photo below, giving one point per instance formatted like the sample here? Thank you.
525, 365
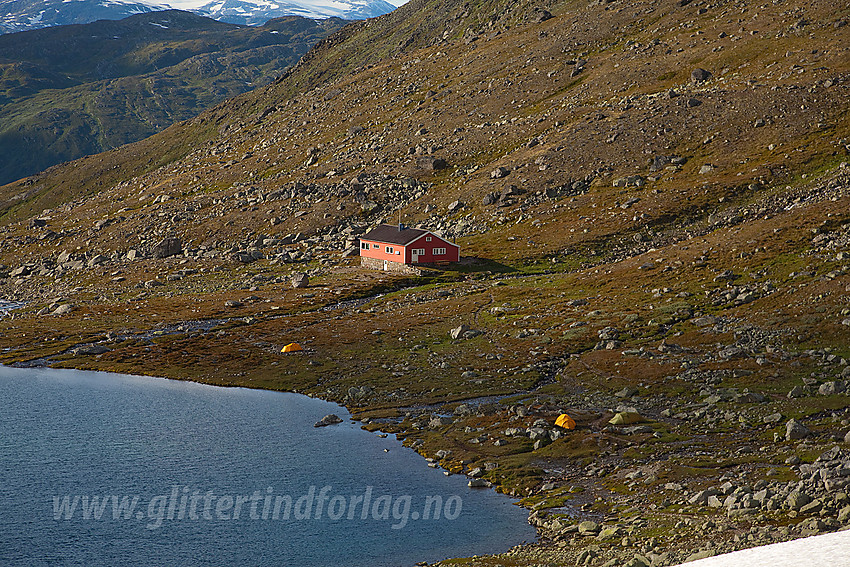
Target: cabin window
375, 246
389, 249
364, 245
427, 239
439, 251
419, 251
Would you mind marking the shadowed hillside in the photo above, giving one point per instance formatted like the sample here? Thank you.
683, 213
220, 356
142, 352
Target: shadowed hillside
70, 91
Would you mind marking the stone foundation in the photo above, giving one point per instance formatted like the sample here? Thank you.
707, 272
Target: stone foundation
398, 267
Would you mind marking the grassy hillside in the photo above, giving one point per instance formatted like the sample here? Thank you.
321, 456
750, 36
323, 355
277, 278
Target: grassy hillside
651, 200
71, 91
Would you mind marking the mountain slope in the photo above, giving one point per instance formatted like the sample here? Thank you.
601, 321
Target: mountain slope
152, 70
24, 15
651, 199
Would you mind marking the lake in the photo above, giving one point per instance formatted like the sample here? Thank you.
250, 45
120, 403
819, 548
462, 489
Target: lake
108, 469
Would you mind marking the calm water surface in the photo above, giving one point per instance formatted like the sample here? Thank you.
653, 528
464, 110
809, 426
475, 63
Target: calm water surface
105, 469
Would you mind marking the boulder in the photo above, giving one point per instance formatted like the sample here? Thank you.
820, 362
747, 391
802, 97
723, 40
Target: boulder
796, 500
330, 419
489, 199
831, 388
458, 332
300, 280
499, 172
795, 430
700, 75
63, 309
541, 15
772, 418
90, 350
702, 496
167, 247
588, 527
429, 163
704, 554
243, 257
369, 207
439, 421
796, 392
98, 259
638, 561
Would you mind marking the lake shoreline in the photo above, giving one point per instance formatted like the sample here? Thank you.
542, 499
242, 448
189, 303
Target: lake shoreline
413, 467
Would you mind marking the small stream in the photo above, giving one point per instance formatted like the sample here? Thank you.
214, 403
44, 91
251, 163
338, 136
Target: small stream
6, 307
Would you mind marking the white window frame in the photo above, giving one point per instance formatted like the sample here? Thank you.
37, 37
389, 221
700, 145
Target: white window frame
375, 246
438, 251
388, 250
419, 251
364, 245
427, 239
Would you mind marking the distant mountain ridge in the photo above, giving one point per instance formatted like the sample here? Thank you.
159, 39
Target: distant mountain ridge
23, 15
254, 12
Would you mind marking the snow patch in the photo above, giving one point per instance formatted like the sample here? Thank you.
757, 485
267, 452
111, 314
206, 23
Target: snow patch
828, 550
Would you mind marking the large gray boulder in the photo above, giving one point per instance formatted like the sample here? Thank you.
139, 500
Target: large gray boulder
330, 419
699, 75
458, 332
63, 309
167, 247
831, 388
429, 163
439, 421
794, 430
300, 280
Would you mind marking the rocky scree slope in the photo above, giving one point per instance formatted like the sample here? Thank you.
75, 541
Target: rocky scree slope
652, 201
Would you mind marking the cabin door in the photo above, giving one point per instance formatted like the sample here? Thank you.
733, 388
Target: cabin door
415, 256
386, 266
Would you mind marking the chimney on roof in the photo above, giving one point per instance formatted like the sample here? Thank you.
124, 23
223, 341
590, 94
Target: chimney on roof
400, 227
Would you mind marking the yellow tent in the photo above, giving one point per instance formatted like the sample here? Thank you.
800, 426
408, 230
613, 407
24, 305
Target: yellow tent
565, 421
291, 347
626, 418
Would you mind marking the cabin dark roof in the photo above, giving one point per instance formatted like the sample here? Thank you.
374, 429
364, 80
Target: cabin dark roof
390, 234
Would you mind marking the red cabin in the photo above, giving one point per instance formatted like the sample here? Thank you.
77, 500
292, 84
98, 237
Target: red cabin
391, 247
